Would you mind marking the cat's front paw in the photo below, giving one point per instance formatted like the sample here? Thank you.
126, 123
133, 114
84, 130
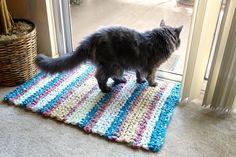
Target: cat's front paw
120, 80
140, 81
106, 89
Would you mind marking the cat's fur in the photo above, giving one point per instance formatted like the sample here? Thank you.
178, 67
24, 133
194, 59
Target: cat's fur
115, 49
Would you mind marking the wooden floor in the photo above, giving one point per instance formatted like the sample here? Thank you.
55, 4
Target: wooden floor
137, 14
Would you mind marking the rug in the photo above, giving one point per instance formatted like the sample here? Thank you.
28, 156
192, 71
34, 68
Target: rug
133, 113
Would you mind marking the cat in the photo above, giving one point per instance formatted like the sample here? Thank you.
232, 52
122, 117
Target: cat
116, 49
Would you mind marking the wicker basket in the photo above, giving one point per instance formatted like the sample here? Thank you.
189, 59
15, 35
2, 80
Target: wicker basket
17, 59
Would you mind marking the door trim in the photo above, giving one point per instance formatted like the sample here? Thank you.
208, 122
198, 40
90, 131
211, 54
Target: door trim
203, 26
62, 18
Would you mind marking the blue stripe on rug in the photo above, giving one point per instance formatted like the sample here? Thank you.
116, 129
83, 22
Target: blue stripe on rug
65, 90
159, 131
96, 107
31, 98
23, 87
123, 111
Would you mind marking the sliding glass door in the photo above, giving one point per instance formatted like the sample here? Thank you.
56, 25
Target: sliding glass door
89, 15
188, 65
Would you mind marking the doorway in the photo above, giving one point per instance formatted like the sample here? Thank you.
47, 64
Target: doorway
89, 15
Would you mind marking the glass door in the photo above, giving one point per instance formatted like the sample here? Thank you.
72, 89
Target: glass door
89, 15
84, 17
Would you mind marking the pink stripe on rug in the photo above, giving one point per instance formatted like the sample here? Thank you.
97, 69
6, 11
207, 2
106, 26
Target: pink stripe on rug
80, 103
99, 113
120, 130
60, 81
143, 124
28, 88
69, 93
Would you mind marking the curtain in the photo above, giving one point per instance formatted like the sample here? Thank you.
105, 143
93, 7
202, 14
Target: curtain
220, 93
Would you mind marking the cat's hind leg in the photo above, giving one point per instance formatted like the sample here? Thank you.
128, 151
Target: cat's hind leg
102, 76
139, 77
151, 77
118, 74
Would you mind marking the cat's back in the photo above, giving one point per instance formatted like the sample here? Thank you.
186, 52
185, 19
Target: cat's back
117, 33
117, 44
114, 35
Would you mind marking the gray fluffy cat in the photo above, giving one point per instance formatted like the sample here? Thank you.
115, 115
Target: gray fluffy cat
116, 49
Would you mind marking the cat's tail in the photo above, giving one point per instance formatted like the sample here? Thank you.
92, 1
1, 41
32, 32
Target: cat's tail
65, 62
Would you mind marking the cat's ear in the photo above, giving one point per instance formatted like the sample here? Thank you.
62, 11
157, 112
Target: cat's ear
178, 30
162, 23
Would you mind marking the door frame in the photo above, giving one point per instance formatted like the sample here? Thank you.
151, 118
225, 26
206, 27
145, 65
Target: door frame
202, 31
63, 28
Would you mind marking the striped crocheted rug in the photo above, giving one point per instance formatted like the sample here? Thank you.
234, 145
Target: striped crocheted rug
132, 113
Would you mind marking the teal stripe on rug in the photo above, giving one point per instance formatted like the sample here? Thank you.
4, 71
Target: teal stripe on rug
159, 132
31, 98
64, 91
111, 131
98, 105
23, 87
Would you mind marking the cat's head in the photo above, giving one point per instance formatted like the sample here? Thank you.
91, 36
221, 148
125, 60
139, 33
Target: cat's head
174, 33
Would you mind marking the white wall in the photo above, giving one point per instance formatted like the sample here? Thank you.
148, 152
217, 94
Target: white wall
36, 11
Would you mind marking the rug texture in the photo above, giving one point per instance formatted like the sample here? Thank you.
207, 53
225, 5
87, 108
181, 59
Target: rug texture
132, 113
